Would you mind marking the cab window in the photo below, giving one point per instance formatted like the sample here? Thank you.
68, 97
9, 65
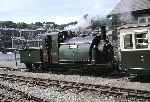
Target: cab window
141, 40
128, 44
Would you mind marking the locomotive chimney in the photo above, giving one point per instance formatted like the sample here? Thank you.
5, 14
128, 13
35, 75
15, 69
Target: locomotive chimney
103, 32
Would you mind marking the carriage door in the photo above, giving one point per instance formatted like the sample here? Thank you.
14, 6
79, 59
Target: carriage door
142, 54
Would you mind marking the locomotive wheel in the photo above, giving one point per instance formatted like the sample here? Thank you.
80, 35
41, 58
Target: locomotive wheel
109, 65
36, 67
29, 66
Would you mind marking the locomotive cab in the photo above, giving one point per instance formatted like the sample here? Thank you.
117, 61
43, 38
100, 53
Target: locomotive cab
135, 49
50, 48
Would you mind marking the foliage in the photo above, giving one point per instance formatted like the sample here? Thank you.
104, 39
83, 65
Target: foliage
38, 24
7, 24
46, 25
22, 25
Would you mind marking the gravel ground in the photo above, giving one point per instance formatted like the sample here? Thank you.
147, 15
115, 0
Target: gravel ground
85, 79
10, 96
54, 94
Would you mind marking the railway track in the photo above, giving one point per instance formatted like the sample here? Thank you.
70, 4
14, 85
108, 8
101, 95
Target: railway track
77, 88
12, 95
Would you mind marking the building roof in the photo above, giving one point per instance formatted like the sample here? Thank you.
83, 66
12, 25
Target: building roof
131, 5
127, 26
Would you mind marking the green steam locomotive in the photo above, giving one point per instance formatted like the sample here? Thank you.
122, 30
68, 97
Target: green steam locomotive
60, 52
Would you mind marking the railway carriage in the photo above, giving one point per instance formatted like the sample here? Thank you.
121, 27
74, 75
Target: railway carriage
135, 49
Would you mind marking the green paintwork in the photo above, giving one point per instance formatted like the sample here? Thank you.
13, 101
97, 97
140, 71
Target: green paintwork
54, 49
81, 53
30, 55
136, 59
65, 53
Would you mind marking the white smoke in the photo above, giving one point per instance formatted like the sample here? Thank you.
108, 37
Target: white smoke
82, 24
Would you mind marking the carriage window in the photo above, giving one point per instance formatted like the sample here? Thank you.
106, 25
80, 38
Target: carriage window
141, 40
128, 44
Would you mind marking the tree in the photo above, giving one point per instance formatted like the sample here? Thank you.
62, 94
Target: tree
38, 24
22, 25
8, 24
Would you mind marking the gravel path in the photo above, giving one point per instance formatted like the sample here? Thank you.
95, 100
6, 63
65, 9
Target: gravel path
84, 79
54, 94
7, 95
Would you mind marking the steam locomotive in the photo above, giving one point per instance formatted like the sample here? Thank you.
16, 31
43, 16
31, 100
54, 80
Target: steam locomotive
87, 53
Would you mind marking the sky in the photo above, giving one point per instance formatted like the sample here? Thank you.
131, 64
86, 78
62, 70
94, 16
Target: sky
58, 11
